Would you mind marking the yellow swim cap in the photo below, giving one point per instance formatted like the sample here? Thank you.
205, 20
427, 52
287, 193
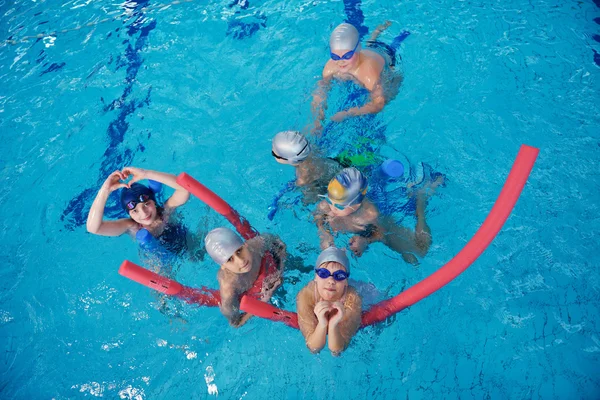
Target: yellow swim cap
349, 186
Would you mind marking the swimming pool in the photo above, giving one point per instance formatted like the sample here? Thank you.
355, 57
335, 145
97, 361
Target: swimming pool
203, 88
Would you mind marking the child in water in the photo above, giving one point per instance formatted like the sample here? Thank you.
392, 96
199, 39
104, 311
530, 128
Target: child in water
345, 209
328, 307
241, 264
313, 172
366, 67
139, 202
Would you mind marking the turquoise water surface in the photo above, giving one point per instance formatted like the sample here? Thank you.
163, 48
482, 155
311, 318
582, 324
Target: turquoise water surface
202, 87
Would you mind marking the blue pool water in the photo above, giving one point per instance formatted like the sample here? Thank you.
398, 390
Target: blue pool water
202, 87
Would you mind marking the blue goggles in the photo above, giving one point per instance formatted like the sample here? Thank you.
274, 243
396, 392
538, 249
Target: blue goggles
338, 275
142, 198
346, 56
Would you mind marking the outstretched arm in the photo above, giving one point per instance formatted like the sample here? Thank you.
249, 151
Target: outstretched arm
177, 199
95, 221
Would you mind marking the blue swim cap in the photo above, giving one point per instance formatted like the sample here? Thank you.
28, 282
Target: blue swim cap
133, 193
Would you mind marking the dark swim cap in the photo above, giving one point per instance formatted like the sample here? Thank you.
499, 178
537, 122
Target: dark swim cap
133, 193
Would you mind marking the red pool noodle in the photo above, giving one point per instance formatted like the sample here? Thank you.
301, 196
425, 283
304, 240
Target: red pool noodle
203, 296
218, 204
483, 237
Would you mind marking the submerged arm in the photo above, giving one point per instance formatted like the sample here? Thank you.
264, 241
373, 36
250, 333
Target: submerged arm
274, 244
372, 107
230, 304
320, 216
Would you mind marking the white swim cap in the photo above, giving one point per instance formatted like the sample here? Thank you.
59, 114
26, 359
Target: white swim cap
348, 187
333, 254
344, 37
221, 243
290, 147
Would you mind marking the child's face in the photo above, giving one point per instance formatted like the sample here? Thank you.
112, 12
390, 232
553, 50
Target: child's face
144, 213
346, 65
329, 289
240, 262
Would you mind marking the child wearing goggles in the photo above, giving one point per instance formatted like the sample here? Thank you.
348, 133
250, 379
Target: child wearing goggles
328, 308
364, 66
346, 209
139, 202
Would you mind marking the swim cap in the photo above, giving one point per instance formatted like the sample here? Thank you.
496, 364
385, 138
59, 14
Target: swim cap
290, 146
133, 193
344, 37
221, 243
333, 254
348, 187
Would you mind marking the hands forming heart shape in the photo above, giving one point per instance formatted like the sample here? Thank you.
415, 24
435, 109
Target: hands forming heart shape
331, 313
124, 178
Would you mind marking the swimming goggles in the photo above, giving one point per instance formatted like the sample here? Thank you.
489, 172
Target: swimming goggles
343, 207
133, 203
287, 159
346, 56
338, 275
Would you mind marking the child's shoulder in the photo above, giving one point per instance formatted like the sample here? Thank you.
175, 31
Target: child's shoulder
329, 69
353, 299
306, 294
369, 209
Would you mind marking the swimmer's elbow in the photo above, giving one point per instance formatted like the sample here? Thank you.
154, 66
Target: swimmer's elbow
378, 104
92, 229
314, 350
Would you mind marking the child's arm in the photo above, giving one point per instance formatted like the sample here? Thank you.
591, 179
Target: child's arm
230, 304
274, 244
180, 197
375, 105
374, 231
95, 221
320, 215
342, 329
319, 102
313, 328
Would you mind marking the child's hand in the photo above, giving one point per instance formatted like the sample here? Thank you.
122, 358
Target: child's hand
136, 174
321, 309
113, 182
336, 314
358, 245
270, 285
